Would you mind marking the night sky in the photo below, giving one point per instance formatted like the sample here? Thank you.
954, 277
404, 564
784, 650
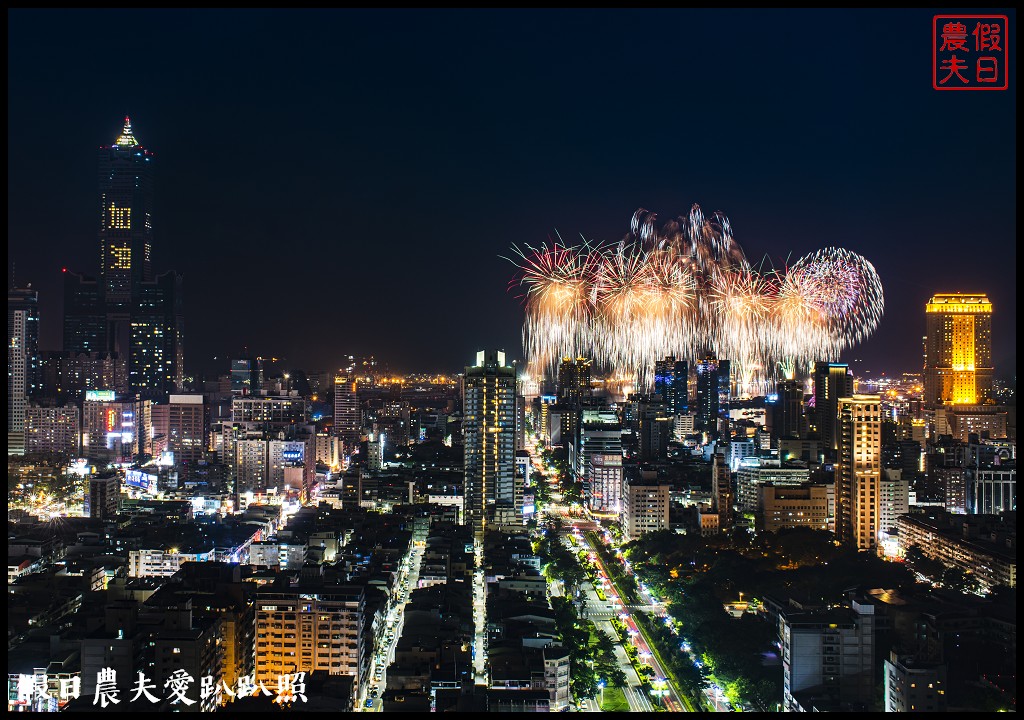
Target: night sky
344, 182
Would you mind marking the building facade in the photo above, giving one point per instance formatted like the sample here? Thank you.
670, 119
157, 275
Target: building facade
958, 349
320, 629
858, 471
489, 427
53, 430
23, 362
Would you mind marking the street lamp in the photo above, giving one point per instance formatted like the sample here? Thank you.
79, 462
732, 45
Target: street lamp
601, 685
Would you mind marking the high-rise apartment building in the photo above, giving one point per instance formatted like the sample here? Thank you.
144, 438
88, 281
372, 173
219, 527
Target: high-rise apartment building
23, 362
600, 436
182, 421
645, 506
958, 349
670, 377
831, 382
346, 410
53, 430
311, 629
489, 428
858, 471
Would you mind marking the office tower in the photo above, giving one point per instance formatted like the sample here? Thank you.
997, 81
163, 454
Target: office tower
958, 349
573, 380
993, 490
128, 312
724, 390
707, 396
157, 337
24, 377
85, 314
831, 382
787, 410
268, 412
792, 506
126, 217
103, 496
670, 376
53, 430
573, 393
346, 411
858, 471
246, 376
125, 232
489, 426
722, 493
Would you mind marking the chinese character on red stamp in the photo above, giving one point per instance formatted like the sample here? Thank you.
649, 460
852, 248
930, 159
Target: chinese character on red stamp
969, 52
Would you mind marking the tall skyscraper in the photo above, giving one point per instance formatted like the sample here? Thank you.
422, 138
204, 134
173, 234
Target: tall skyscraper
573, 380
85, 314
958, 349
670, 376
858, 471
787, 409
831, 382
573, 393
126, 219
183, 423
157, 337
708, 396
346, 411
24, 375
489, 429
128, 312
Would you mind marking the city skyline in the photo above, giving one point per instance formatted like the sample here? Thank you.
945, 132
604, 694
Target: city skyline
374, 173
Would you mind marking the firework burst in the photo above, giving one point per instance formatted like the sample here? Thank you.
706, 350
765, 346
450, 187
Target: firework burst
685, 288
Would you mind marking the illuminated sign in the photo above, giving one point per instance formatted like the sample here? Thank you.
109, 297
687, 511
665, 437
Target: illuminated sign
111, 419
100, 395
141, 480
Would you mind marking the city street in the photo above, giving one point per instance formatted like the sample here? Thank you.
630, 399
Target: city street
384, 652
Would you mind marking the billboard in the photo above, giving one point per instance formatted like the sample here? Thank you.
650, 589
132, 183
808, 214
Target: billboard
100, 395
141, 480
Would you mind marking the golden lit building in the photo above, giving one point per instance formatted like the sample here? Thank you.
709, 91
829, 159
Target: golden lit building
958, 349
858, 471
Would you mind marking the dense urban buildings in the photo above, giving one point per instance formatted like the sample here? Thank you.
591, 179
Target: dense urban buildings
515, 536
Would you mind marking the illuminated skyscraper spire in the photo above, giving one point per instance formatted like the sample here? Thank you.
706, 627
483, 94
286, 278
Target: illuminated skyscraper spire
126, 139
